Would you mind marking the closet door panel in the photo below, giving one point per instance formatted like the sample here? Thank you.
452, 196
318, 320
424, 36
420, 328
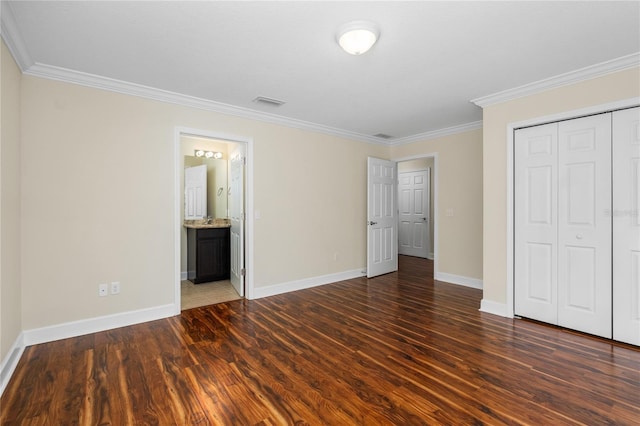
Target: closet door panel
535, 245
626, 226
584, 225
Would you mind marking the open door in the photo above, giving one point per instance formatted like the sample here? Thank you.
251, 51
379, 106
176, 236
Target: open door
382, 221
236, 214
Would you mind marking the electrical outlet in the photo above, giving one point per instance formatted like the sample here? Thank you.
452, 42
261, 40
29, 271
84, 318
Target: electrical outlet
115, 287
103, 290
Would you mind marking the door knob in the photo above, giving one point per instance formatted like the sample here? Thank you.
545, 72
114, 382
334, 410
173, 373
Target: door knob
372, 223
579, 237
424, 218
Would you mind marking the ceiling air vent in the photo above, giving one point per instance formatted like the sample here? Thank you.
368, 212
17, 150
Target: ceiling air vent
382, 136
268, 101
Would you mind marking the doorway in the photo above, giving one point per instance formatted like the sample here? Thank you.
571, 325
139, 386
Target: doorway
426, 162
222, 207
414, 212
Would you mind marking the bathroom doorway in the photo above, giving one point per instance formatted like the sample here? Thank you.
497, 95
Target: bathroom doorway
216, 152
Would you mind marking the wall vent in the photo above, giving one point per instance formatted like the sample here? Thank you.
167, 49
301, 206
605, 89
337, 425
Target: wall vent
268, 101
382, 136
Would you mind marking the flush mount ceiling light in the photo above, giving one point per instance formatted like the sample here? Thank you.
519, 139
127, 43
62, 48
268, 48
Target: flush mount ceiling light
358, 36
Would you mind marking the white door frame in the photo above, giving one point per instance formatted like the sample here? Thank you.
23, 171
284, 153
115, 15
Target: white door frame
434, 179
178, 161
566, 115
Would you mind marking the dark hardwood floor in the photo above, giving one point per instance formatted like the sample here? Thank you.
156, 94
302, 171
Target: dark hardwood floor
397, 349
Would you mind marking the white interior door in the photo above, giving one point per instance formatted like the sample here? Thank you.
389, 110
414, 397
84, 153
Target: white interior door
236, 215
536, 223
382, 224
584, 233
195, 192
413, 213
626, 225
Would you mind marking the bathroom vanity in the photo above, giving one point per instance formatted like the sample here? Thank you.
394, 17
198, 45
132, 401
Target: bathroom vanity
208, 251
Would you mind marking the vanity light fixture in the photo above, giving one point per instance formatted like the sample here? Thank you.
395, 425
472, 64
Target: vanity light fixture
208, 154
357, 37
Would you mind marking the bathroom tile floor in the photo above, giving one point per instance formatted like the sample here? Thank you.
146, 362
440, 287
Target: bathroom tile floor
196, 295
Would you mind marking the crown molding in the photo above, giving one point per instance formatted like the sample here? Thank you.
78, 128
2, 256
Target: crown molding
123, 87
104, 83
572, 77
12, 38
447, 131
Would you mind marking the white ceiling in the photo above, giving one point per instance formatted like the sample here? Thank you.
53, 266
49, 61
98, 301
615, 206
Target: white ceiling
432, 58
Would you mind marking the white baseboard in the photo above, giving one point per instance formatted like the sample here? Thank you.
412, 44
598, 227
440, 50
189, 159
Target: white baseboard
458, 279
183, 275
430, 256
495, 308
9, 363
273, 290
94, 325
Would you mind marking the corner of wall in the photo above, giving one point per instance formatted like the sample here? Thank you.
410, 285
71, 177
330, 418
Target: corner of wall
9, 362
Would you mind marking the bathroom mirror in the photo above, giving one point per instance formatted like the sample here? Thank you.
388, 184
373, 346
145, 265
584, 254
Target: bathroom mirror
217, 203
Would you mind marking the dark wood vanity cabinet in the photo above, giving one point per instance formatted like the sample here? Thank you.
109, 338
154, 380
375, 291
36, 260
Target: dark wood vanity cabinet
208, 254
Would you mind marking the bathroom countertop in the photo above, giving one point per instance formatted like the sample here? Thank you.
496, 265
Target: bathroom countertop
206, 224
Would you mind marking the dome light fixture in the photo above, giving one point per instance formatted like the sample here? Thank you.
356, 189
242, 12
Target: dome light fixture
357, 37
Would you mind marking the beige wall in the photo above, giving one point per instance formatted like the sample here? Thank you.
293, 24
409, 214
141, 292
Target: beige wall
459, 172
98, 203
10, 291
416, 165
496, 118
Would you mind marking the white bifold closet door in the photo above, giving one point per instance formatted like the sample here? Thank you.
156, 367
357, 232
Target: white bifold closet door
536, 223
584, 224
562, 246
626, 226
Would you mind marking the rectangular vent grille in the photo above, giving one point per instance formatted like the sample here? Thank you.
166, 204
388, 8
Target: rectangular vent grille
382, 136
268, 101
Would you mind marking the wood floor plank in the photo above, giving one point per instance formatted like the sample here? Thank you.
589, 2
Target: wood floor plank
396, 349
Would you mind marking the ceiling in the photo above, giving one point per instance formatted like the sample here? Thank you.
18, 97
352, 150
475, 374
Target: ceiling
432, 58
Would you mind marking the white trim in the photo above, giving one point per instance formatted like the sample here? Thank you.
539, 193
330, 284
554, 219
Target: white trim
119, 86
249, 278
94, 325
95, 81
495, 308
430, 255
566, 115
436, 184
249, 238
458, 280
571, 77
183, 275
10, 361
12, 38
433, 134
296, 285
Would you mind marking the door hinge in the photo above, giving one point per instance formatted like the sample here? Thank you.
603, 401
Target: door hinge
243, 272
242, 216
